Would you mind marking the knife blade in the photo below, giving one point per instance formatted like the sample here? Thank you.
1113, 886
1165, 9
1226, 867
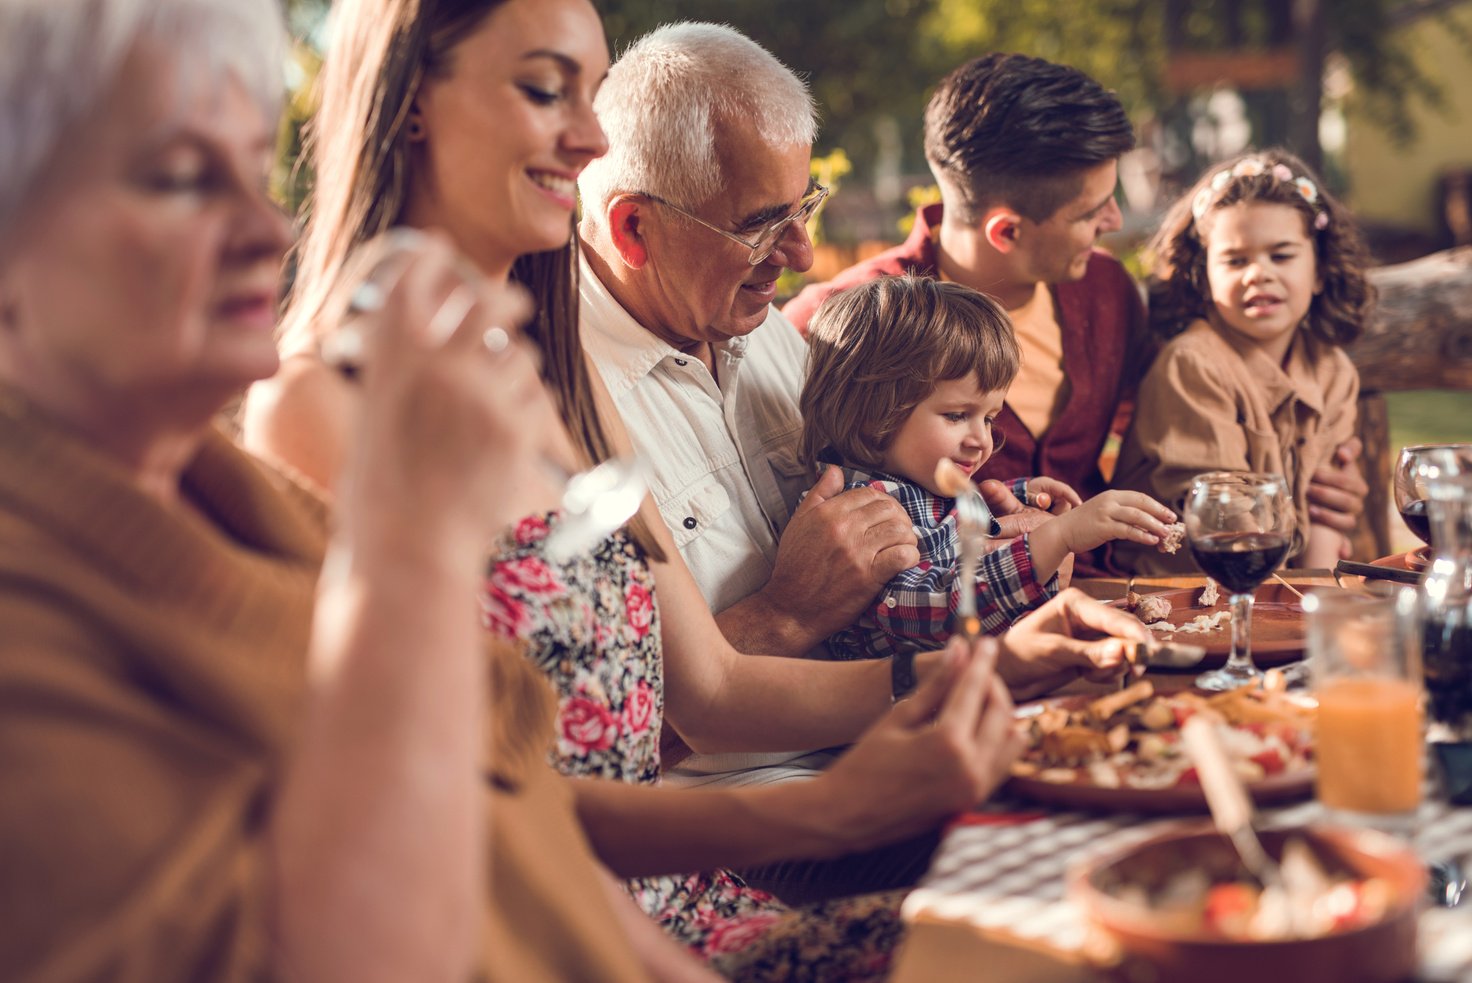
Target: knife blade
1168, 655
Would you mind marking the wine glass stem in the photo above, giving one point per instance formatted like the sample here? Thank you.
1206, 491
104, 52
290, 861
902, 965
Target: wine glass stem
1240, 661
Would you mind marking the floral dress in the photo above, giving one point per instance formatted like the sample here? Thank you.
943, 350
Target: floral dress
592, 625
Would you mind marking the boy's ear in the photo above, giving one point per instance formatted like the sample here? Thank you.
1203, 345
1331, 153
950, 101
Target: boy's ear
625, 227
1001, 227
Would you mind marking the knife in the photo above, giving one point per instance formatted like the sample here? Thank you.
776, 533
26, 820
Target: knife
1371, 572
1168, 655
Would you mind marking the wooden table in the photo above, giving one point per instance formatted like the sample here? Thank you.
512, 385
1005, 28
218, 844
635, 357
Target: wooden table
1112, 588
993, 904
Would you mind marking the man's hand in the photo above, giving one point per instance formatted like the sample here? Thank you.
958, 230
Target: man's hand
938, 753
1052, 495
999, 498
1336, 492
1072, 635
1026, 520
838, 550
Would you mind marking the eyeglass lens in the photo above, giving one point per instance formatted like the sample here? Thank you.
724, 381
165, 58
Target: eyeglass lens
767, 242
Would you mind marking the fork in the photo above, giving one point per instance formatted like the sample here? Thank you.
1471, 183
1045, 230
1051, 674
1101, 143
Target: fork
973, 525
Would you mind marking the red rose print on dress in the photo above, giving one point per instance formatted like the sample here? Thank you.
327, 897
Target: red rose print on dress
502, 613
640, 605
530, 530
587, 726
737, 934
639, 709
529, 574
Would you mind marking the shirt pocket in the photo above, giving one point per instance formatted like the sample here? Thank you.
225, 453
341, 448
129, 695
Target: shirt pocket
791, 476
693, 510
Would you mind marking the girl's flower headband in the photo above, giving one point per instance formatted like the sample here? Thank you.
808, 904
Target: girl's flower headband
1252, 167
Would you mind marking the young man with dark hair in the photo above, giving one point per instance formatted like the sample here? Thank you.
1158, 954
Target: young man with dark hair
1026, 156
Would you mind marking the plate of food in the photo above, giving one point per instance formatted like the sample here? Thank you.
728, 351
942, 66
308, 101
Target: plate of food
1202, 616
1122, 751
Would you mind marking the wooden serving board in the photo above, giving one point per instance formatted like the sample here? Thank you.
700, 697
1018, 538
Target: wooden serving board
1278, 631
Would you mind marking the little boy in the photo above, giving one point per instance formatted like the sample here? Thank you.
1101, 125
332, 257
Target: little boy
902, 373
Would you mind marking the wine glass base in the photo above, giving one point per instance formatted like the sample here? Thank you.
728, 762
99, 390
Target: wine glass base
1228, 678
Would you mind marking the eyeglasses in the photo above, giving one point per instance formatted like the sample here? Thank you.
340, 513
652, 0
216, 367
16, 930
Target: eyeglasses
769, 235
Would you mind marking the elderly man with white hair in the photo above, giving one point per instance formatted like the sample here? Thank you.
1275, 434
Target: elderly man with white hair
697, 208
688, 221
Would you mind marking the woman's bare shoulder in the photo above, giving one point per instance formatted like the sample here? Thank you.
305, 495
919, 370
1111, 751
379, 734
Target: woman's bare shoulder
300, 417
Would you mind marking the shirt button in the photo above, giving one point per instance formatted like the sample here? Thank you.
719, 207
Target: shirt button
890, 602
690, 522
681, 362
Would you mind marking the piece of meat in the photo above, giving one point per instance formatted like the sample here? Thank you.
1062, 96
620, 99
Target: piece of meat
1175, 535
1209, 595
1149, 608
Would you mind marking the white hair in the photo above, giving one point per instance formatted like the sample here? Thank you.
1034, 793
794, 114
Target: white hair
666, 96
58, 58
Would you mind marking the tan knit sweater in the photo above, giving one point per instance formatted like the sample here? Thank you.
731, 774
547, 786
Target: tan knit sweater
151, 682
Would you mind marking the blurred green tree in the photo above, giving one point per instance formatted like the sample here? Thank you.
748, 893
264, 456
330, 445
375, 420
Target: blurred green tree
872, 59
872, 63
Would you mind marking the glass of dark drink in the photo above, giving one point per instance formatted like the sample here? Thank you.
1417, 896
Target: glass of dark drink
1417, 465
1446, 605
1239, 525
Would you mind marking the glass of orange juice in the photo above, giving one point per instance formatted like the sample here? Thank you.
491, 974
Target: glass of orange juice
1365, 663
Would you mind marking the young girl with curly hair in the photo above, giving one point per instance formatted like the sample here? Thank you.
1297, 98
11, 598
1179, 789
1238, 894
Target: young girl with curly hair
1258, 281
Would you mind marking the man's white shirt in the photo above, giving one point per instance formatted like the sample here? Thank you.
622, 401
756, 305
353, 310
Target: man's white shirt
722, 453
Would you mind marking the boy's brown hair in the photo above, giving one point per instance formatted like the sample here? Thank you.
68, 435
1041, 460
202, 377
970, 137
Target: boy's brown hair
877, 350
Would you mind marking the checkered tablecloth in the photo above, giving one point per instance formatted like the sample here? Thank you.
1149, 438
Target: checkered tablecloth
1007, 867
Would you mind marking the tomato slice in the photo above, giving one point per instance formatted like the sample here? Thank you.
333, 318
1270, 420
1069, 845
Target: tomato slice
1229, 908
1269, 760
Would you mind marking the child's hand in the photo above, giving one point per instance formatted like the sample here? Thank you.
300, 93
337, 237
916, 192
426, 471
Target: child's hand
1104, 518
1052, 495
1114, 515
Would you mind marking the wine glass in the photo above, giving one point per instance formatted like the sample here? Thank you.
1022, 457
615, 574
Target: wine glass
1239, 525
1414, 468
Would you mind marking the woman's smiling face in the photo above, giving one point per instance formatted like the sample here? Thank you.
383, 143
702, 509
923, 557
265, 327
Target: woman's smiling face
505, 131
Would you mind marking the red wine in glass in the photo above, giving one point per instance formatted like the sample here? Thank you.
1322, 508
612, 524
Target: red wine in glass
1239, 561
1447, 667
1239, 526
1416, 520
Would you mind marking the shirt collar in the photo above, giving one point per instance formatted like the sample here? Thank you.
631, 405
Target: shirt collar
926, 509
1295, 379
623, 348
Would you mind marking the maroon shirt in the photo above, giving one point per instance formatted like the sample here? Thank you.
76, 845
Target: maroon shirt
1105, 352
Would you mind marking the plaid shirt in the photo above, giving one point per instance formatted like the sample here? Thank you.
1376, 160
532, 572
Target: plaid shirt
915, 609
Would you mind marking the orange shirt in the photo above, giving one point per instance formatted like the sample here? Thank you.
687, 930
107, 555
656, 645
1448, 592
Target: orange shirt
1041, 388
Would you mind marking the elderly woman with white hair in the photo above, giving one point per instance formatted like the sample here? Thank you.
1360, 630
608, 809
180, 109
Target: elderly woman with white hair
217, 764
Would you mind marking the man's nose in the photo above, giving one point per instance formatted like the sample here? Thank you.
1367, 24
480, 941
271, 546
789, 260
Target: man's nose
1112, 219
794, 249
